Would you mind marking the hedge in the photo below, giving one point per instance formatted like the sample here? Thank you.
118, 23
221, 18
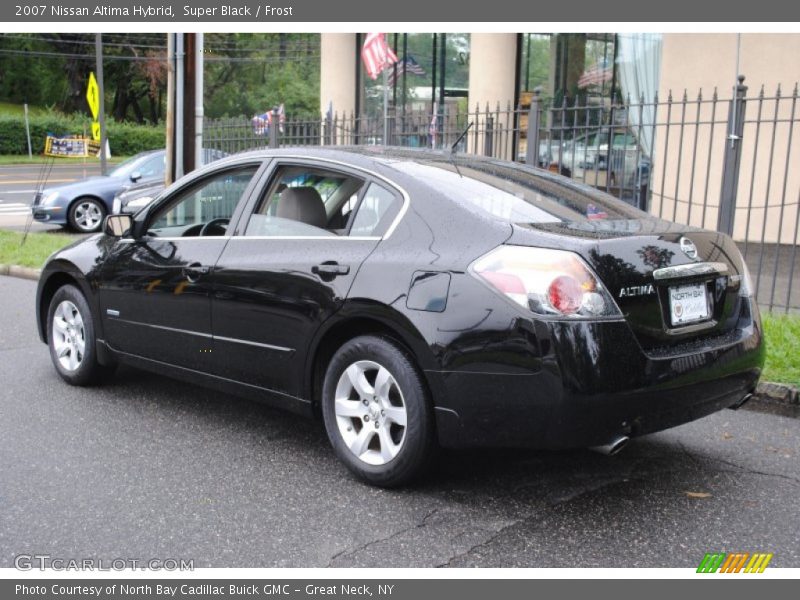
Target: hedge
124, 138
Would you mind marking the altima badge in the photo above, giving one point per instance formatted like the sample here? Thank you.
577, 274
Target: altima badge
688, 247
637, 290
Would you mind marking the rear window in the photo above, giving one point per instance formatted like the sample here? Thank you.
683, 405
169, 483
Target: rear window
516, 195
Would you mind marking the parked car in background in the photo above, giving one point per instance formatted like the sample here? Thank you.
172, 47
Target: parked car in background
413, 299
81, 205
136, 197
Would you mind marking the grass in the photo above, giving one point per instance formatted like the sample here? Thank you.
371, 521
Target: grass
782, 333
34, 252
18, 110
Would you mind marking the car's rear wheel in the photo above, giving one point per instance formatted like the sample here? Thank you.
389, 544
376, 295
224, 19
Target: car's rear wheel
71, 338
376, 411
86, 215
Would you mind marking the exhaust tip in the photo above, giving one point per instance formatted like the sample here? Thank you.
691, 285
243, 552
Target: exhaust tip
742, 402
615, 446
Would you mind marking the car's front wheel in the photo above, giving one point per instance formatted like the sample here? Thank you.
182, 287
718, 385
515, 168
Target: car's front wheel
86, 215
376, 411
71, 337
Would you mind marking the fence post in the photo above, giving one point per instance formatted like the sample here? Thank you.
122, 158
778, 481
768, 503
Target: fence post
489, 136
732, 159
534, 121
274, 124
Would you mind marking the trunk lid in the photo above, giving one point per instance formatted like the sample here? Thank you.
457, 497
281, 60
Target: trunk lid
674, 284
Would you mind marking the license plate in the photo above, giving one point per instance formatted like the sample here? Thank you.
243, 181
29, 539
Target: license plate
688, 303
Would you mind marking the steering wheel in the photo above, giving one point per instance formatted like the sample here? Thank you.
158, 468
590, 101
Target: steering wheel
213, 223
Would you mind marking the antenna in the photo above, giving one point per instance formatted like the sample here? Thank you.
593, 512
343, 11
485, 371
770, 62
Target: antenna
454, 147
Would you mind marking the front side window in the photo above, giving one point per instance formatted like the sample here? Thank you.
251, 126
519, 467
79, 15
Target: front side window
205, 208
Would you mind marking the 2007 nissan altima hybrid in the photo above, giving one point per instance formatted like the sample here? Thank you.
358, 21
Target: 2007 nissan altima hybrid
413, 300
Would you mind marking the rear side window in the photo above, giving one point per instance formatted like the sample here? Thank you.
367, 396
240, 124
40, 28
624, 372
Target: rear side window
309, 201
375, 213
516, 195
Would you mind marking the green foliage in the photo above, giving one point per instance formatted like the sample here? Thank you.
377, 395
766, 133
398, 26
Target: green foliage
37, 247
264, 70
782, 334
124, 138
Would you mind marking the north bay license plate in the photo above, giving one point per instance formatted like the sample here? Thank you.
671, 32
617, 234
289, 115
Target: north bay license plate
688, 303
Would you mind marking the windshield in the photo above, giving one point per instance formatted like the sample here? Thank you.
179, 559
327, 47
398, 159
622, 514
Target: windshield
126, 167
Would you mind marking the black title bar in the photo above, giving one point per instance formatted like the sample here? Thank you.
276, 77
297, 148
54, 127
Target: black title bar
277, 12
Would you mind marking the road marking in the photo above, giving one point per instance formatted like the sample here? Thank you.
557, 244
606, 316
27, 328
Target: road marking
14, 208
47, 181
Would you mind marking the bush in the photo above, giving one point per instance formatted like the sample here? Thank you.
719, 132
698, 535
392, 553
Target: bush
124, 138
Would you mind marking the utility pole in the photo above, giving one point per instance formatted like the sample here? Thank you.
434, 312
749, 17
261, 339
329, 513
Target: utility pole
169, 171
184, 104
98, 49
198, 100
189, 103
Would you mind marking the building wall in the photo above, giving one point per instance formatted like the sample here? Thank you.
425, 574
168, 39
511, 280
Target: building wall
492, 79
338, 72
686, 185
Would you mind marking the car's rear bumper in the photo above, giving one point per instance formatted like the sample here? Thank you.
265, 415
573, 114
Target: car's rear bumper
596, 383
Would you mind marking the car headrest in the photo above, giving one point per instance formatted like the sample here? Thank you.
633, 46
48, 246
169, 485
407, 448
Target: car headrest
302, 204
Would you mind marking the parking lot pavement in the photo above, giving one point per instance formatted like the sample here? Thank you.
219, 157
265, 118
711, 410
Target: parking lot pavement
146, 467
18, 184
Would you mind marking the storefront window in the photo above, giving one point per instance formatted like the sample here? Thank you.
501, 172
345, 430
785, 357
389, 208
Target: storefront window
432, 70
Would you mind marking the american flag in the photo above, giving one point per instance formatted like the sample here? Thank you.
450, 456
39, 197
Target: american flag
376, 54
595, 214
598, 74
262, 122
409, 65
432, 130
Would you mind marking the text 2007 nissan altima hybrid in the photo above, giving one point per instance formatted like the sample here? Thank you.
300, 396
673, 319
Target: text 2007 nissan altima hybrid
413, 300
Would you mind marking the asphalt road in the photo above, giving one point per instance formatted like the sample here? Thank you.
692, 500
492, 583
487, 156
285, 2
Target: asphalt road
18, 184
145, 467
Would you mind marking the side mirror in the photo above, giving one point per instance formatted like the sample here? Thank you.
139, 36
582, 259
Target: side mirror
136, 176
117, 225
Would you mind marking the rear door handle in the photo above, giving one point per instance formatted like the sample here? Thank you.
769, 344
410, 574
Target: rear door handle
330, 269
195, 271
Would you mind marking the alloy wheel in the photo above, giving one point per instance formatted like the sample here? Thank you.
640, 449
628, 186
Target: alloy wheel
88, 216
370, 412
69, 336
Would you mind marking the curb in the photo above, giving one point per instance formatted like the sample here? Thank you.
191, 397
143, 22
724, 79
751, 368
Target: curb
772, 398
21, 272
775, 399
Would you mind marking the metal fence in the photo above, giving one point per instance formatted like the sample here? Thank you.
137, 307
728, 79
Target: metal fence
726, 161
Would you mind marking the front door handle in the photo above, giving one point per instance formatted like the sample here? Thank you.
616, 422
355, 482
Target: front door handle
330, 269
195, 271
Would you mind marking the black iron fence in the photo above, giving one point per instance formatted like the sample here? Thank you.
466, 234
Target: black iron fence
726, 161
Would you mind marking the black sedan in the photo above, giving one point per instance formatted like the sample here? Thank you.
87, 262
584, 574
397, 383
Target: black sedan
413, 300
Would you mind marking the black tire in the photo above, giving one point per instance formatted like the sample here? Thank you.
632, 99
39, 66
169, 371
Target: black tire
86, 215
88, 371
407, 389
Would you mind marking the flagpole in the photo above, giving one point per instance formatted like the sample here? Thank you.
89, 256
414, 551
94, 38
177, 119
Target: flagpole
385, 106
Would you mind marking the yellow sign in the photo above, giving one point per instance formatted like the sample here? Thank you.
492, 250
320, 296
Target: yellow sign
93, 96
95, 131
70, 146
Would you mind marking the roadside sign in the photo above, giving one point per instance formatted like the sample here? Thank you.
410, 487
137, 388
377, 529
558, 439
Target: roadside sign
95, 131
93, 97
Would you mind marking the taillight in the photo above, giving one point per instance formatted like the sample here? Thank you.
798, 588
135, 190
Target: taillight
546, 281
746, 289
